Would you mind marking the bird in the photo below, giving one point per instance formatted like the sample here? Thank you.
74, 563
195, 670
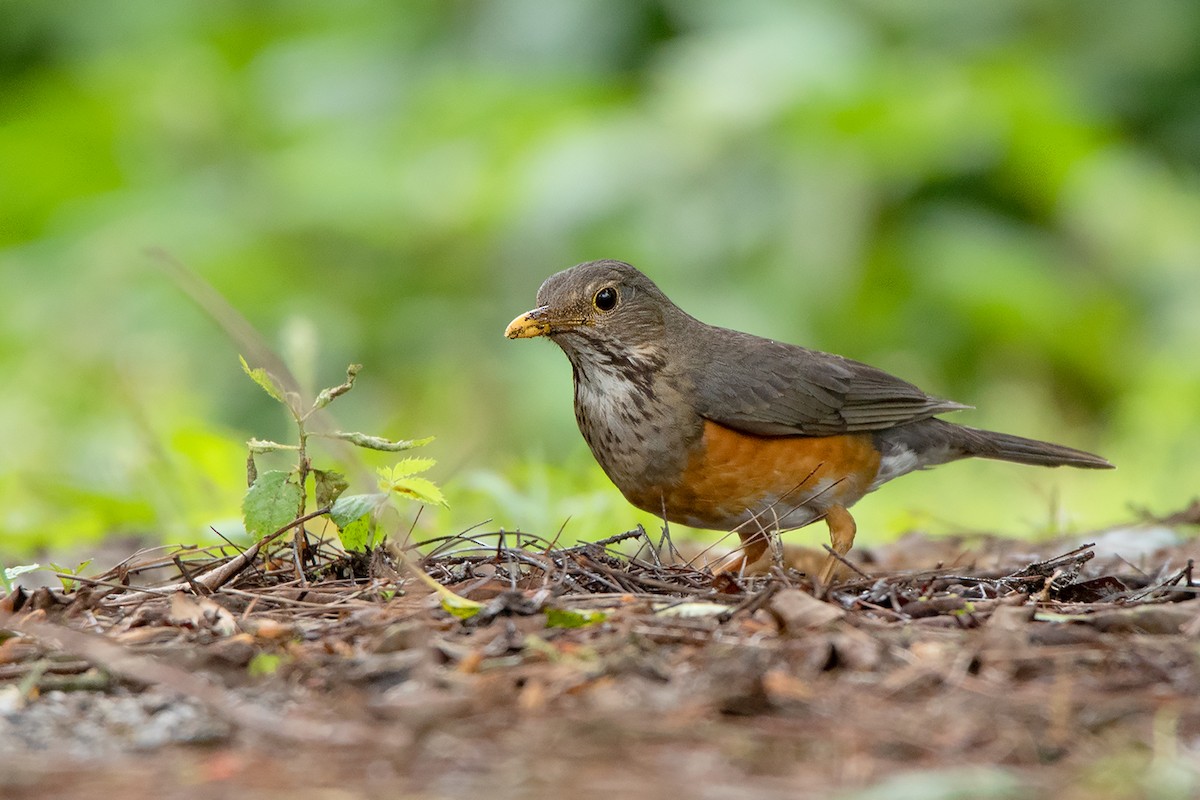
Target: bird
722, 430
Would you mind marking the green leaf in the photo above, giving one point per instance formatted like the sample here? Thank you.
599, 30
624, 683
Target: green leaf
404, 467
271, 502
327, 395
398, 479
330, 486
419, 489
573, 617
264, 664
65, 573
455, 604
78, 568
351, 507
356, 536
459, 606
375, 442
263, 379
353, 515
967, 608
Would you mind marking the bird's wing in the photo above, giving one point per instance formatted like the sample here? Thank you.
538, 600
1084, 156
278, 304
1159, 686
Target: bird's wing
770, 388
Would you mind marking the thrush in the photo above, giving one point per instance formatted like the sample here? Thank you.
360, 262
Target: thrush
718, 429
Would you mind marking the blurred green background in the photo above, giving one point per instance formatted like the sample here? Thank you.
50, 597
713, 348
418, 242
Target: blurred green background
1000, 202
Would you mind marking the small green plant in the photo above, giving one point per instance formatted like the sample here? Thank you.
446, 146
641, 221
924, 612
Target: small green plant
276, 498
67, 574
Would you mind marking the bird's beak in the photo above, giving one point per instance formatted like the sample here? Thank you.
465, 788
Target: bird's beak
530, 324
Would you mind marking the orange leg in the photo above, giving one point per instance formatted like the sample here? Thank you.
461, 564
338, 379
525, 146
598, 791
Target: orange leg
841, 537
754, 544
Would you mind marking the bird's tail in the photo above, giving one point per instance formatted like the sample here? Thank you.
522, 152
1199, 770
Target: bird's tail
1006, 447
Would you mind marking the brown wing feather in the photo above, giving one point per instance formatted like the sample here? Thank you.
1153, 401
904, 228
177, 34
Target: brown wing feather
771, 388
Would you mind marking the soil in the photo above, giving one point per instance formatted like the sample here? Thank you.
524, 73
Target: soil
970, 667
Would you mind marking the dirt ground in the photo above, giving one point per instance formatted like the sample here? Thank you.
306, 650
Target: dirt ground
946, 667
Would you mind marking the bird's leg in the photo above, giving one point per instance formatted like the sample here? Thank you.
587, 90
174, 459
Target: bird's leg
841, 537
754, 544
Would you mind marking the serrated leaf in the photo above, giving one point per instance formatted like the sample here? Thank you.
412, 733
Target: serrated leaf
573, 618
353, 515
330, 486
405, 467
263, 379
271, 502
398, 479
327, 395
420, 489
375, 442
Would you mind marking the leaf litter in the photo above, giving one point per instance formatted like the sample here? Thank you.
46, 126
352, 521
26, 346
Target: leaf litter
502, 661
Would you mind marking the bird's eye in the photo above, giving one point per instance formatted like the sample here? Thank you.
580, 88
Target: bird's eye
606, 299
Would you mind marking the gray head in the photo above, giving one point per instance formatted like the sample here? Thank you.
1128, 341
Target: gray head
597, 308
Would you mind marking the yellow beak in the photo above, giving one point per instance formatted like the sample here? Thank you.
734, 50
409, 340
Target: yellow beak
528, 325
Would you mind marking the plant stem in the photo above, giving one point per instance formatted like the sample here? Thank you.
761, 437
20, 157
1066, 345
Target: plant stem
303, 467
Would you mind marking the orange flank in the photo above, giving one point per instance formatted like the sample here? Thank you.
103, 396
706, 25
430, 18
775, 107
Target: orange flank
737, 479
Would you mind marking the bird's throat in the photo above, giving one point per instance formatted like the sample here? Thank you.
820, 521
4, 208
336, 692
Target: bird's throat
626, 408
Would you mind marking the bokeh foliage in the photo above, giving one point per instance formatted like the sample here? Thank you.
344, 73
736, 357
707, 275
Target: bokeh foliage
999, 201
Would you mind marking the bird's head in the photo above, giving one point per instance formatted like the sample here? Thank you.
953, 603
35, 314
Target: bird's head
597, 309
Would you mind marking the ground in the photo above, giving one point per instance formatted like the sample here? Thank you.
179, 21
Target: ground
931, 668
